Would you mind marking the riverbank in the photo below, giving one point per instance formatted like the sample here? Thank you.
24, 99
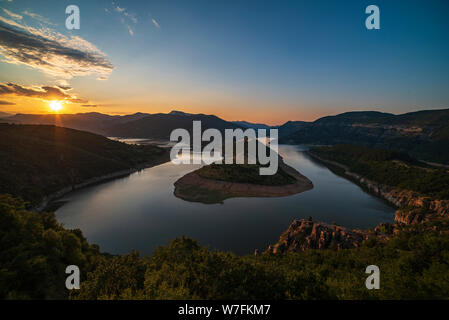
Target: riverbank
412, 207
48, 199
192, 187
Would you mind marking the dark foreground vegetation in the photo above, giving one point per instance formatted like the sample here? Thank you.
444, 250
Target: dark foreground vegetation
37, 160
35, 250
390, 168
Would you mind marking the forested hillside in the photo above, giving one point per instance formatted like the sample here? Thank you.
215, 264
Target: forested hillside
423, 134
390, 168
36, 160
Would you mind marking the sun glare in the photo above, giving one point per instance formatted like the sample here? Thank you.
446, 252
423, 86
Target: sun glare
55, 106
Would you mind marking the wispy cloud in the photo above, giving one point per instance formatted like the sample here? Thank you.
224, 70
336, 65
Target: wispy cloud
38, 17
118, 9
132, 17
13, 15
156, 24
42, 92
51, 52
130, 30
127, 18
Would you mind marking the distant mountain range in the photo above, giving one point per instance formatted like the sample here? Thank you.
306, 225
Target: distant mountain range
159, 126
246, 124
93, 121
422, 134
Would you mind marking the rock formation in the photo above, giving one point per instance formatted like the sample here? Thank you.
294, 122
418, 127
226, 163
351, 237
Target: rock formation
304, 234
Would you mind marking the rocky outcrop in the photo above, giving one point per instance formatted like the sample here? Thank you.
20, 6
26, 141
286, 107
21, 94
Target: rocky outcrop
412, 206
410, 216
304, 234
385, 229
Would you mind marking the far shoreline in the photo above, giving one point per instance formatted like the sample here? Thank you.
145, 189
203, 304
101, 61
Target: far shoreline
51, 198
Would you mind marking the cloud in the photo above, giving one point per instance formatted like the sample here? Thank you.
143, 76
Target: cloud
156, 24
89, 105
132, 17
38, 17
42, 92
126, 17
51, 52
118, 9
130, 30
13, 15
6, 103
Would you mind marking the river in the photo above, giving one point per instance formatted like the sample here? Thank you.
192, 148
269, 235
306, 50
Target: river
140, 211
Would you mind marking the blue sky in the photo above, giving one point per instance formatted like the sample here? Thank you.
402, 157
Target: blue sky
264, 61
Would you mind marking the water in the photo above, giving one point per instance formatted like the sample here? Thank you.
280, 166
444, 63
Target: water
140, 211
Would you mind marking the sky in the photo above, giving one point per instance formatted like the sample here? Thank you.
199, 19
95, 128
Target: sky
253, 60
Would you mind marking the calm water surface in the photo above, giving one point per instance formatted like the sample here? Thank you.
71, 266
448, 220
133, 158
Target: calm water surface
140, 211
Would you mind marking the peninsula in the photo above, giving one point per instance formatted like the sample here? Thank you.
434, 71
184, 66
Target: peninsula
215, 183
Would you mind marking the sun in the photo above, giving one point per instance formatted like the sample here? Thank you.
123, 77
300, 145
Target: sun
55, 106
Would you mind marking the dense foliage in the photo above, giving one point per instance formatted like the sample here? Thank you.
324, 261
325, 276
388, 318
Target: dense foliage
35, 249
413, 266
36, 160
390, 168
34, 252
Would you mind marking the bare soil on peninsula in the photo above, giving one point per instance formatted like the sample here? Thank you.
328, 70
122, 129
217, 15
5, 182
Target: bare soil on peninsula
216, 183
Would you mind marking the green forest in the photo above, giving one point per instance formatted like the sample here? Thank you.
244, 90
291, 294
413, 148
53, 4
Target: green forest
390, 168
35, 250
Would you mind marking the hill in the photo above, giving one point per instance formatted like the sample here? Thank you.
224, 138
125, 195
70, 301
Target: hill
37, 160
291, 126
246, 124
389, 168
423, 134
92, 121
138, 125
159, 126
